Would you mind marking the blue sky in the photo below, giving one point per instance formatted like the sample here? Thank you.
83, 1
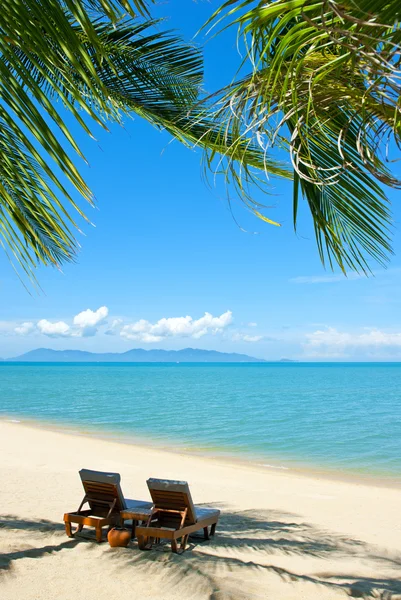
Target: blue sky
166, 250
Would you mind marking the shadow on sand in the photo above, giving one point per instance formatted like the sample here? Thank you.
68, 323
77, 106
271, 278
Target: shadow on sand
244, 540
42, 527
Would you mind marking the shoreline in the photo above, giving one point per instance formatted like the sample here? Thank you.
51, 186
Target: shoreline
259, 463
280, 532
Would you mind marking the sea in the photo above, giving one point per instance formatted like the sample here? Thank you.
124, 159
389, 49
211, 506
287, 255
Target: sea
338, 417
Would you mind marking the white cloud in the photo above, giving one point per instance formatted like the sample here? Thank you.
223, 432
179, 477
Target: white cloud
88, 320
115, 327
331, 343
25, 328
244, 337
84, 324
178, 327
87, 323
58, 329
252, 324
147, 338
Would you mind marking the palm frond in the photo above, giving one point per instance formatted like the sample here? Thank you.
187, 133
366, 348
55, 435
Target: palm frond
34, 223
52, 50
189, 121
132, 68
156, 76
325, 84
32, 218
99, 61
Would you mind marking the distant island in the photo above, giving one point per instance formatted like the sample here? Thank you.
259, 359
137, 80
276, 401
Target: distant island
136, 355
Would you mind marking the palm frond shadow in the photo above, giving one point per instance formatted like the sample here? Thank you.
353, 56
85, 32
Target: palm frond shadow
43, 527
244, 541
266, 532
40, 525
260, 534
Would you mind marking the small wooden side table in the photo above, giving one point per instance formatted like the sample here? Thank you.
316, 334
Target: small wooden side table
136, 514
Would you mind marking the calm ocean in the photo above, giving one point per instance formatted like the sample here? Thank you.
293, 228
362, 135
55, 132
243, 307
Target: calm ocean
342, 416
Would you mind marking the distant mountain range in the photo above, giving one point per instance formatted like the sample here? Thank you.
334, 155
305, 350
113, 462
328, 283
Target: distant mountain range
133, 356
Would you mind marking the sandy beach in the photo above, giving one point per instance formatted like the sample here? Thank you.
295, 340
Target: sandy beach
281, 535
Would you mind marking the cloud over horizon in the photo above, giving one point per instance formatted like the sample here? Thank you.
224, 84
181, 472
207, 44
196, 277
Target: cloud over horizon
245, 337
88, 320
332, 343
180, 327
89, 323
25, 328
84, 324
58, 329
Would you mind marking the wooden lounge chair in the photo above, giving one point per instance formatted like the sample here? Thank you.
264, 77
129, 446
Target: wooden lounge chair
105, 499
174, 515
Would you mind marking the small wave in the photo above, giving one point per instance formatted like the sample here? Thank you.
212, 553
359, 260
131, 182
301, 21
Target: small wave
274, 466
12, 421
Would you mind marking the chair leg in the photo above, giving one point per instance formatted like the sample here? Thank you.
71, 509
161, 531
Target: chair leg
98, 534
68, 529
213, 529
145, 542
174, 547
184, 542
206, 533
141, 542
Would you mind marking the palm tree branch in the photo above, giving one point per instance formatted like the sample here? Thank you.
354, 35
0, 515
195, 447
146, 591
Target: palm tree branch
325, 84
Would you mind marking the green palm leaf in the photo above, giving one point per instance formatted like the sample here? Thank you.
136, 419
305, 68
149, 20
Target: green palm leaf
104, 64
325, 85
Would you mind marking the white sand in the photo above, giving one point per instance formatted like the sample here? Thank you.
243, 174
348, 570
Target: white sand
282, 535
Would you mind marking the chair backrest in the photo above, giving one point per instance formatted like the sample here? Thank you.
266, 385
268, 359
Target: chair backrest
102, 488
172, 495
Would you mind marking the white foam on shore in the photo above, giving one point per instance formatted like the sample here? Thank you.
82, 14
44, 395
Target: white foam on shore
12, 421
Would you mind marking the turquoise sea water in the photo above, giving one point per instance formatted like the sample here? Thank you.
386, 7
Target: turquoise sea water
342, 416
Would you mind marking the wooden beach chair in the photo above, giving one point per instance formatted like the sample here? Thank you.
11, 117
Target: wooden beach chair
174, 516
105, 499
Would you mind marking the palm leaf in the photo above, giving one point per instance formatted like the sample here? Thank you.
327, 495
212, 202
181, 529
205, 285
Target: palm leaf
325, 85
79, 53
34, 223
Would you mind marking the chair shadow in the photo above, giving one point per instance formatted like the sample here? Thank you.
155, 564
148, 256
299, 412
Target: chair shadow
259, 534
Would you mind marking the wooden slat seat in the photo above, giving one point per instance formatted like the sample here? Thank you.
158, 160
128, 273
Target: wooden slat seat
174, 515
105, 499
